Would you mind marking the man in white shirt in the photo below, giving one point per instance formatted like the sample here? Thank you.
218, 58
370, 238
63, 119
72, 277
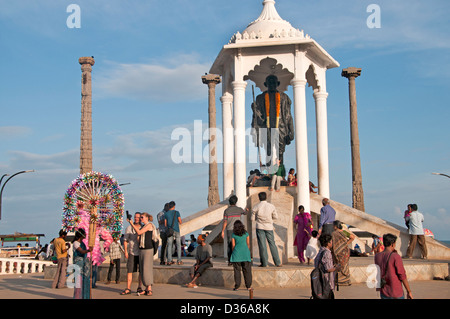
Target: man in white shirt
416, 232
264, 213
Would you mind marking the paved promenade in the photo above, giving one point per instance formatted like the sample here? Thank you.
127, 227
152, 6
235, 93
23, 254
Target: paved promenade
34, 286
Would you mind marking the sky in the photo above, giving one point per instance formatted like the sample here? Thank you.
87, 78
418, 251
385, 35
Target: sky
146, 83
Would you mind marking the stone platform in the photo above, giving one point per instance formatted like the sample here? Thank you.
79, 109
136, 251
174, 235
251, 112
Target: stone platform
291, 275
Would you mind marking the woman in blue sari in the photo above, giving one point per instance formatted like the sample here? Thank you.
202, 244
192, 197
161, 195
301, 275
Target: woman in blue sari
82, 272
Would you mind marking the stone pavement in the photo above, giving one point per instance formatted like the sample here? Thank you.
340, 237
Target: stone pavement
34, 286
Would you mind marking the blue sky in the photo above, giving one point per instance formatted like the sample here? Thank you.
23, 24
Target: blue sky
150, 56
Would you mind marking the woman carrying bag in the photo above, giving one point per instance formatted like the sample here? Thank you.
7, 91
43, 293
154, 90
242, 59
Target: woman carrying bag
147, 235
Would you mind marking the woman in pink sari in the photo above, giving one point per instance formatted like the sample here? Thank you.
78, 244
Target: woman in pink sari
303, 222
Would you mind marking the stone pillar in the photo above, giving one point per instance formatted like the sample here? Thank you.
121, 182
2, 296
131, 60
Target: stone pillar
228, 144
240, 174
213, 190
86, 114
323, 174
357, 191
301, 143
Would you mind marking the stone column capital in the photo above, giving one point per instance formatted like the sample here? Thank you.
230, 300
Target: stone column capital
351, 72
86, 60
239, 85
226, 98
319, 95
298, 82
211, 79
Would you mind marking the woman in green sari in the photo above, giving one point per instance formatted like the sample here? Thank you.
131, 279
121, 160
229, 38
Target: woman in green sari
341, 252
82, 274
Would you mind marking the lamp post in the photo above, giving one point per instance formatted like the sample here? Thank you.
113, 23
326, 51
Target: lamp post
1, 191
441, 174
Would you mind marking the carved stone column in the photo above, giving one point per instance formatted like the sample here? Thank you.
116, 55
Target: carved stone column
213, 190
358, 195
86, 114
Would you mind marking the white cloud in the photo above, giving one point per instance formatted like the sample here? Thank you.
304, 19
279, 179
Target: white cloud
13, 132
166, 80
27, 160
405, 25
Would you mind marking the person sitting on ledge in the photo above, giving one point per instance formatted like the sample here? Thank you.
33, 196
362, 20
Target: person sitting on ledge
203, 257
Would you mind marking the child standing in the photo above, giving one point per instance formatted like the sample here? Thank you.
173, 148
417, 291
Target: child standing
291, 177
377, 245
407, 214
313, 247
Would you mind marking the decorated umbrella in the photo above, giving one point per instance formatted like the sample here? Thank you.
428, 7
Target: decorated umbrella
428, 232
95, 201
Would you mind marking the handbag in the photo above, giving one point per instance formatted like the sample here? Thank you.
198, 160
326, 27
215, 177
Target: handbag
170, 230
155, 246
383, 280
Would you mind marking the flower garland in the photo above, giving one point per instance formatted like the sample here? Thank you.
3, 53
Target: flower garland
278, 106
96, 255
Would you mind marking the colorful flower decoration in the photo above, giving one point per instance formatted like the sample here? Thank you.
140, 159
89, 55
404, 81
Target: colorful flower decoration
97, 195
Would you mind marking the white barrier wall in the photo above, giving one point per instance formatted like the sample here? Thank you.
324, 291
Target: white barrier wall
24, 266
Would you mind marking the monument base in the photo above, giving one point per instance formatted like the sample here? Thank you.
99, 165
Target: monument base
291, 275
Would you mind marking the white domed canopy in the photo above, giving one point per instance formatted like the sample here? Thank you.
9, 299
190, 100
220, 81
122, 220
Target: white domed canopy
268, 25
269, 22
270, 45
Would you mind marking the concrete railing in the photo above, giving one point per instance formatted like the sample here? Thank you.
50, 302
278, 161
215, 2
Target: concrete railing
10, 266
203, 218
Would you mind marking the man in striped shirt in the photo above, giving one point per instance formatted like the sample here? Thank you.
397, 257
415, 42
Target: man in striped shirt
230, 215
115, 254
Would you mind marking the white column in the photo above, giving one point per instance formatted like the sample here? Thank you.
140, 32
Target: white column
301, 143
228, 145
323, 175
240, 174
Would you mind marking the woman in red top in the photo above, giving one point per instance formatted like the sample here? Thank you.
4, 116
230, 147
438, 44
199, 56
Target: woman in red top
392, 270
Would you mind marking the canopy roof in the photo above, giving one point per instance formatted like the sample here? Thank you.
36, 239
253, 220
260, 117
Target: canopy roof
266, 36
21, 237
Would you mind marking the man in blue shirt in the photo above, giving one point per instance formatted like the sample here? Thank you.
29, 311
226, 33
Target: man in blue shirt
327, 217
169, 217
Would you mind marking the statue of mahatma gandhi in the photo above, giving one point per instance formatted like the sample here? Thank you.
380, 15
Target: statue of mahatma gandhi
272, 110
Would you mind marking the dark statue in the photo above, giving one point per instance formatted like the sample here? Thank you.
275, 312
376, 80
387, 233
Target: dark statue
265, 108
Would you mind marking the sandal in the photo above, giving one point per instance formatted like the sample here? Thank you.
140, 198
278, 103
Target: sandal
139, 290
179, 263
148, 293
126, 292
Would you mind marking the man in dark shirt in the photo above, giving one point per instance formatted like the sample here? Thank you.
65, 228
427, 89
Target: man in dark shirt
173, 217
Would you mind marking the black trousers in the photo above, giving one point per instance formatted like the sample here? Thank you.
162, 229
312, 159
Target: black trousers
163, 257
246, 268
111, 267
327, 229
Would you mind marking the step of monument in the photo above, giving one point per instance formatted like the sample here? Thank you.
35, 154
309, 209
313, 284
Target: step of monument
291, 275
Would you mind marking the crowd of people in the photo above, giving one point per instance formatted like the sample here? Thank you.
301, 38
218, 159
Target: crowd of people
334, 252
277, 177
328, 248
